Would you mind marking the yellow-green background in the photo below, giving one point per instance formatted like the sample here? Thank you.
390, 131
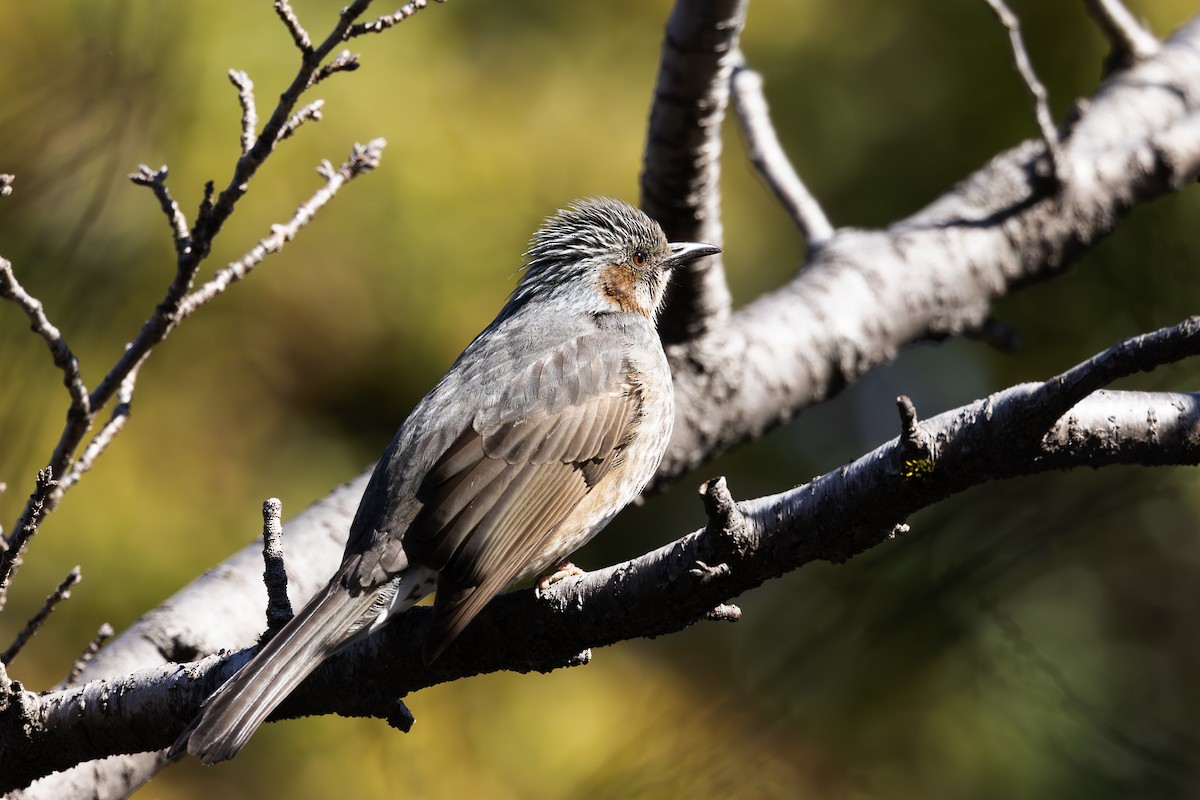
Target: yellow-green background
1037, 638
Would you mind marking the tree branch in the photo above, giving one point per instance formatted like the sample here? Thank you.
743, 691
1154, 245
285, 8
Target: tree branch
832, 518
681, 166
1130, 41
767, 155
868, 293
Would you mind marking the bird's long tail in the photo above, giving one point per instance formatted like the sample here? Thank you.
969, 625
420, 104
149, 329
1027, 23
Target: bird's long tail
332, 619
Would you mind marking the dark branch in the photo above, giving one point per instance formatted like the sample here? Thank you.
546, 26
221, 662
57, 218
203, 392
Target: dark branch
279, 607
62, 592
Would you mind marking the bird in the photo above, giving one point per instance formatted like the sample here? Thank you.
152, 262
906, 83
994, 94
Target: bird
553, 419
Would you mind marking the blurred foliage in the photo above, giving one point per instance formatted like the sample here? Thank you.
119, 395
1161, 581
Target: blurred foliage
1037, 638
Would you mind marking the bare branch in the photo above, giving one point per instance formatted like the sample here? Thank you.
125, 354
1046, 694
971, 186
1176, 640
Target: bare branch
1041, 109
1137, 354
1130, 40
279, 607
245, 88
362, 159
381, 24
937, 273
102, 635
64, 359
300, 36
104, 437
156, 181
681, 171
31, 627
312, 112
831, 518
12, 546
345, 61
768, 157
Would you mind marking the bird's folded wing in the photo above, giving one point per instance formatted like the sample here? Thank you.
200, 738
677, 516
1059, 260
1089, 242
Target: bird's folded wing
495, 497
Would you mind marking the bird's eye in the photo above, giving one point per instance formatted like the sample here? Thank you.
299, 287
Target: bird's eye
639, 259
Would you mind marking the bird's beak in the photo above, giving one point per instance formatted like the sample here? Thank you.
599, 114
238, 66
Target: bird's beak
686, 252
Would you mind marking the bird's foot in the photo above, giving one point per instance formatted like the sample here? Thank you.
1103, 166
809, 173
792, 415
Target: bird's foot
565, 569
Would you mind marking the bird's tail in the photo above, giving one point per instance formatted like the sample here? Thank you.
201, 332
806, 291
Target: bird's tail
333, 618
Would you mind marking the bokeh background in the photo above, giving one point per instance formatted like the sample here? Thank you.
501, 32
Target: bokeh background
1036, 638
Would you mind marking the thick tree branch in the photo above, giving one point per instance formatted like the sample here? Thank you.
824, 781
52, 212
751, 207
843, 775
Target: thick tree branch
681, 166
868, 293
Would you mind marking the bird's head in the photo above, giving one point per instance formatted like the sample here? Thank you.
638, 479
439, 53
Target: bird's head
603, 256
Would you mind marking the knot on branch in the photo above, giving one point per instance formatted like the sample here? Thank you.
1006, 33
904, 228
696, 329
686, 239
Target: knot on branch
725, 519
399, 717
916, 445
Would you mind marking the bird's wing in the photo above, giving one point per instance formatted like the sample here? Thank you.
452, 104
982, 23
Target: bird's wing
492, 501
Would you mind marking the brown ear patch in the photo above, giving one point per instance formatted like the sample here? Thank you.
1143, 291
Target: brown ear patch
618, 282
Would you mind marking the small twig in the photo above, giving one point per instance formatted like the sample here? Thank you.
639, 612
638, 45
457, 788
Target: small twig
724, 516
206, 203
726, 612
1041, 108
245, 88
12, 546
363, 158
6, 184
103, 438
26, 633
312, 111
344, 61
103, 635
769, 158
64, 359
279, 607
300, 36
156, 181
1131, 42
388, 20
910, 428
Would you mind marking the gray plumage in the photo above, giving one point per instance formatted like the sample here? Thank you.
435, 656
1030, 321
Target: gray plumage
550, 422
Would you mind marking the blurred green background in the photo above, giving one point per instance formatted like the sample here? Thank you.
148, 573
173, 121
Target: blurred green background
1037, 638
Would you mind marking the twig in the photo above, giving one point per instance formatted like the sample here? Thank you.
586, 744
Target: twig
1041, 109
156, 181
31, 627
381, 24
245, 88
300, 36
104, 437
910, 427
312, 111
279, 607
64, 359
102, 635
12, 546
362, 159
769, 158
1131, 42
345, 61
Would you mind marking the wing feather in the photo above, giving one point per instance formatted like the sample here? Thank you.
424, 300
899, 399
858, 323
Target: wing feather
495, 497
